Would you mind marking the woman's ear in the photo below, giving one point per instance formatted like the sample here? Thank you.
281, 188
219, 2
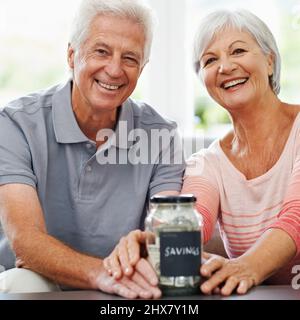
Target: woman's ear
271, 62
70, 56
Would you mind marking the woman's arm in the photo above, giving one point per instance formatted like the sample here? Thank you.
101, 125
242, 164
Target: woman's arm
273, 250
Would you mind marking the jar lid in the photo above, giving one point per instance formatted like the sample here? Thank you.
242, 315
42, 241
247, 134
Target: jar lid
183, 198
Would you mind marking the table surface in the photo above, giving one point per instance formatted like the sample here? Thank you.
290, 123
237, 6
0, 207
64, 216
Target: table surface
258, 293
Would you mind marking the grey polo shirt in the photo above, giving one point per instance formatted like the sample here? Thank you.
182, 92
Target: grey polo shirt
87, 205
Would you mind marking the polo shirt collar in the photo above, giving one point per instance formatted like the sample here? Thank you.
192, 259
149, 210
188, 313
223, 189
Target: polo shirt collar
65, 125
125, 126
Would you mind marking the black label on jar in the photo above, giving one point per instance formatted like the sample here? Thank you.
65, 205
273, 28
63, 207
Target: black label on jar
180, 253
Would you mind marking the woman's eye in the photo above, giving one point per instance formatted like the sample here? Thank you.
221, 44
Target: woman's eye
209, 61
238, 51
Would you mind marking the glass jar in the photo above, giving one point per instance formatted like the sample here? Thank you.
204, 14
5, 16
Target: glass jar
174, 243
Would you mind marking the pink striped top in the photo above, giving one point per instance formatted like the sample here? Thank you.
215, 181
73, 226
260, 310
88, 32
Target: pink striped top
245, 208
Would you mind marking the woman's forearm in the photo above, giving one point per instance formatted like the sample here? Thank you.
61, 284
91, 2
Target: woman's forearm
273, 250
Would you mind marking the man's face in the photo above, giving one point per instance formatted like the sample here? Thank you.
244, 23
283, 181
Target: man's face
108, 64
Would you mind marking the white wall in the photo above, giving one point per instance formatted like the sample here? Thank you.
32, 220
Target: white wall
168, 77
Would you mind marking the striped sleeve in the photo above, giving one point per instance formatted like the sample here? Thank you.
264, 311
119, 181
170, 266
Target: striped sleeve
289, 216
199, 181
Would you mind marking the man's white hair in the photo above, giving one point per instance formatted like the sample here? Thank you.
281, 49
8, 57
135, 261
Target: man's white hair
242, 20
135, 10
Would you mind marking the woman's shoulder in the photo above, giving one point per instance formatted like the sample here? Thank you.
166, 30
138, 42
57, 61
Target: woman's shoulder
293, 114
203, 163
292, 111
206, 159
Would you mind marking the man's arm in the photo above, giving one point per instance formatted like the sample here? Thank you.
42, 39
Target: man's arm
168, 193
166, 180
126, 254
22, 220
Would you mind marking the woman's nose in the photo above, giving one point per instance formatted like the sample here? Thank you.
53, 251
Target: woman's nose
226, 66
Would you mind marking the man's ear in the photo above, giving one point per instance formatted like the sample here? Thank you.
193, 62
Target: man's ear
71, 53
143, 67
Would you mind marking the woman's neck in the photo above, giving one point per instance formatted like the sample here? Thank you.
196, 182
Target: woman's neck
256, 125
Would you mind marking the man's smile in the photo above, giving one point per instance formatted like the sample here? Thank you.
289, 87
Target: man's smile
108, 86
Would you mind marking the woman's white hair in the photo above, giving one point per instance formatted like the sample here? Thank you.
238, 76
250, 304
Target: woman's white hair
242, 20
135, 10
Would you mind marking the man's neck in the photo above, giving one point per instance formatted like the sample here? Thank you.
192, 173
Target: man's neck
91, 123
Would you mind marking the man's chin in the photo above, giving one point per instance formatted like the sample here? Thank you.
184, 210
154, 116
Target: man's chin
106, 106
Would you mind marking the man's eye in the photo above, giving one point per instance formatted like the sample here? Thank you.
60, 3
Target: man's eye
238, 51
102, 52
131, 60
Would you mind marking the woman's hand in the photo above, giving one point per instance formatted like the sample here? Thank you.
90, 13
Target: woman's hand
227, 275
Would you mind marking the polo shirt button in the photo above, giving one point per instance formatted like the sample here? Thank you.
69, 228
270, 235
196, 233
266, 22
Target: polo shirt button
89, 146
88, 168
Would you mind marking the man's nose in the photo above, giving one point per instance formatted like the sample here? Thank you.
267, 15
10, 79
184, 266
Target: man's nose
114, 67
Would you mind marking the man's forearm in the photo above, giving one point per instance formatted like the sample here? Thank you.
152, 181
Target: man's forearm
44, 254
23, 222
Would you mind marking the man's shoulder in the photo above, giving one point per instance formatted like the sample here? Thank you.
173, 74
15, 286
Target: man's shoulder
149, 118
31, 103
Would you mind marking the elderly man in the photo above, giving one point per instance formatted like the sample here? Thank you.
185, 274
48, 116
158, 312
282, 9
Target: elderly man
63, 210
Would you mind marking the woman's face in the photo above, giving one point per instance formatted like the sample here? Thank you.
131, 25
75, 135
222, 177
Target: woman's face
234, 69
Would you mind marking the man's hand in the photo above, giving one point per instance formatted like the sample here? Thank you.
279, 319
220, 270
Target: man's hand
138, 285
226, 275
125, 256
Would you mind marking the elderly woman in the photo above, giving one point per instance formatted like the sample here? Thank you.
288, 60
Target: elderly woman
248, 181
